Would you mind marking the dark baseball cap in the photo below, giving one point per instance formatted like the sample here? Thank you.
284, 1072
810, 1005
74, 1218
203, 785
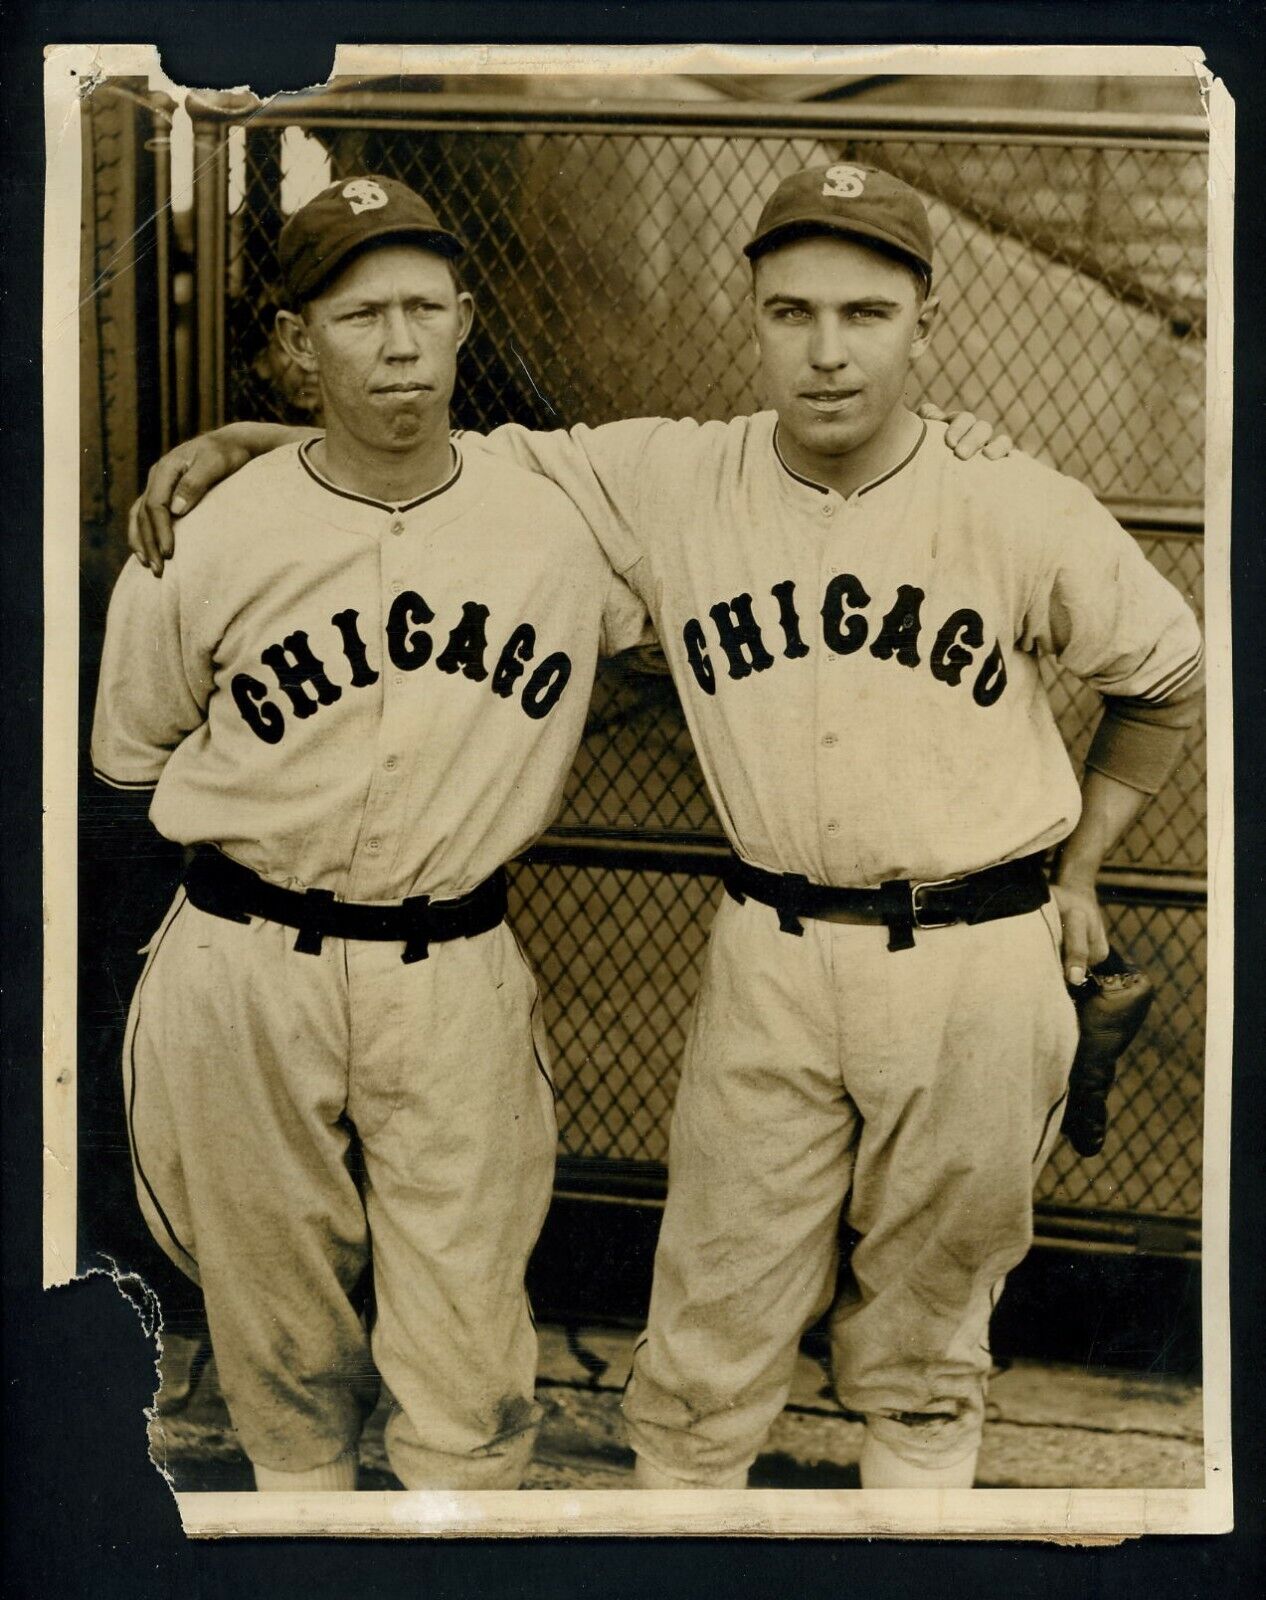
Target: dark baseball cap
847, 198
321, 235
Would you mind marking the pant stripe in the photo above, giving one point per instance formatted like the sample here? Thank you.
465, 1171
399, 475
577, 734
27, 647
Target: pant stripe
1046, 1126
540, 1067
131, 1106
536, 1001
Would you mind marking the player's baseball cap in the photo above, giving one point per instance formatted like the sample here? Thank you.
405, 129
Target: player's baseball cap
850, 199
321, 235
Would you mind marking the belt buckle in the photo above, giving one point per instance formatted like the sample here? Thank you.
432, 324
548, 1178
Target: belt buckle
916, 892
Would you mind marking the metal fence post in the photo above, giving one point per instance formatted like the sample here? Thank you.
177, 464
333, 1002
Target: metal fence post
160, 143
120, 315
210, 187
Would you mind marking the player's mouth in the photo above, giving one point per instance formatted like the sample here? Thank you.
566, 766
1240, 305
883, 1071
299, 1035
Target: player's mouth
829, 402
402, 388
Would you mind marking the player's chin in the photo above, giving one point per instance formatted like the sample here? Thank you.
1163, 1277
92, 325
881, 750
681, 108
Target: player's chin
829, 436
406, 426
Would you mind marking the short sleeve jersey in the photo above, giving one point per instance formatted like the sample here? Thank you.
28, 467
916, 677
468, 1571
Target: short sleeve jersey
861, 674
344, 694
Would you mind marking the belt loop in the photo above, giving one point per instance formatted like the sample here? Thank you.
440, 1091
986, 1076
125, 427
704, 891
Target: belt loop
792, 897
498, 887
898, 913
417, 946
315, 901
730, 878
901, 933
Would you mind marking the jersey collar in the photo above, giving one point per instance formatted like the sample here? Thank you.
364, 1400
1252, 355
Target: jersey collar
864, 488
380, 505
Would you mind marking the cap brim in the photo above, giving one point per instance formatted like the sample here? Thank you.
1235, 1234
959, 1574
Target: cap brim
809, 225
437, 240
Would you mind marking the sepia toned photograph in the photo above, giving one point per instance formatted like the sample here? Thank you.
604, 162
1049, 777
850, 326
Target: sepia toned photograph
645, 685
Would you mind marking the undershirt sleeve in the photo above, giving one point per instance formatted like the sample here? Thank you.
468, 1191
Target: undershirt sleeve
1140, 743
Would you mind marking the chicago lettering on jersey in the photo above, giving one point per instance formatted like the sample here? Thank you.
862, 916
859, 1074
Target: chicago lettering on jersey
848, 621
304, 683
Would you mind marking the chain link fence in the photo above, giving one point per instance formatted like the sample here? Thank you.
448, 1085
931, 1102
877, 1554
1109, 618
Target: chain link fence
604, 255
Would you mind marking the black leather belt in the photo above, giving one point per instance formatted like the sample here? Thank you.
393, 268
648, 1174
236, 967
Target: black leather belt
225, 888
901, 904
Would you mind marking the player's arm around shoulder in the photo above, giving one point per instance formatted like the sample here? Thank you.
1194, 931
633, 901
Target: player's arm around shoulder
616, 474
622, 615
546, 525
968, 435
179, 480
230, 520
605, 446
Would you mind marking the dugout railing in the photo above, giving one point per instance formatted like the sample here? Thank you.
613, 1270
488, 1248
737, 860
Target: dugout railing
604, 255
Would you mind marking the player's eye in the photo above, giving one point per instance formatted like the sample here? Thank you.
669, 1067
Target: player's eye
790, 314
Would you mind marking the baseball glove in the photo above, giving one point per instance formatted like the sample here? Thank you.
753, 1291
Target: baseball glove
1111, 1006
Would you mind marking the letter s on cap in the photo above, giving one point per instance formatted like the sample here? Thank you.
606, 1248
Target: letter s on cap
363, 194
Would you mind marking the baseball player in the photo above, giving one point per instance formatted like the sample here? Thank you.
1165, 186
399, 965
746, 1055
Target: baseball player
855, 619
355, 695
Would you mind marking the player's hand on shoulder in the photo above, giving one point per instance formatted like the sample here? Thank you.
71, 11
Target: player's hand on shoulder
176, 483
967, 434
1085, 940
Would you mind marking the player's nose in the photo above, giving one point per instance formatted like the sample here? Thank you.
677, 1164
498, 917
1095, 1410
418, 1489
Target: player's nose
400, 340
828, 346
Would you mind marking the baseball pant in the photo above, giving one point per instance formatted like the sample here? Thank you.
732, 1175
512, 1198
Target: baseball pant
918, 1091
249, 1070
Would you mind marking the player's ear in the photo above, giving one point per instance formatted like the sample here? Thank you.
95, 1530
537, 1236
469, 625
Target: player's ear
465, 315
926, 322
292, 335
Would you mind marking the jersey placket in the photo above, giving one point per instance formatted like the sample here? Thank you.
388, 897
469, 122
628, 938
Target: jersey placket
831, 845
375, 860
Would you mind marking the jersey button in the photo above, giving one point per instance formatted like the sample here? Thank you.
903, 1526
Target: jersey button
397, 526
831, 827
397, 587
373, 846
828, 510
829, 739
391, 763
